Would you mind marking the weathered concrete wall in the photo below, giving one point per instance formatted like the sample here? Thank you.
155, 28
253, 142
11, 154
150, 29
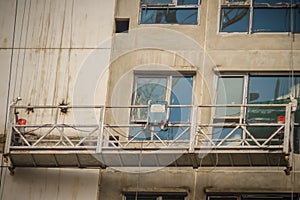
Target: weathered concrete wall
250, 52
58, 184
197, 183
53, 50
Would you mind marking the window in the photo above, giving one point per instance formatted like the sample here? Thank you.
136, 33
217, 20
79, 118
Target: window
122, 25
256, 89
175, 89
169, 11
254, 16
156, 196
254, 197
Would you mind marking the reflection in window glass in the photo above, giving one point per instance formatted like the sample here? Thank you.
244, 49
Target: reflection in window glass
181, 95
236, 0
233, 140
296, 20
187, 2
270, 90
155, 89
148, 89
169, 16
274, 90
276, 2
156, 1
271, 20
222, 198
155, 196
234, 20
230, 91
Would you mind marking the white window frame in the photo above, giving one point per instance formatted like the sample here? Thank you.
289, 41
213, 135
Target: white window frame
159, 196
173, 5
250, 5
169, 77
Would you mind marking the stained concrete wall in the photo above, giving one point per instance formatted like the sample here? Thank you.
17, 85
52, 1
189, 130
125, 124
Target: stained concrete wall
197, 183
53, 49
58, 46
202, 49
49, 51
59, 184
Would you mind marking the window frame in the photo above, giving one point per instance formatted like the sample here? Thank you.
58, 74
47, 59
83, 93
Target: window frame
158, 195
174, 5
251, 6
246, 196
246, 95
168, 93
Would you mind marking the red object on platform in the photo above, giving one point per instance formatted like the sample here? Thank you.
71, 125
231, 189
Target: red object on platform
22, 121
281, 119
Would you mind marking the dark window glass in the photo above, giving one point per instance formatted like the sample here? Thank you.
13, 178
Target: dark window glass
234, 20
233, 140
296, 20
122, 25
271, 90
222, 198
236, 0
156, 196
169, 16
156, 1
187, 2
140, 197
271, 20
276, 2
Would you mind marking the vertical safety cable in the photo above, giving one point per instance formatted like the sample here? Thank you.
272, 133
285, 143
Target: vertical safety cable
25, 45
10, 69
7, 100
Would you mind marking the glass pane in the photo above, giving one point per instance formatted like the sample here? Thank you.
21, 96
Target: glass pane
171, 133
156, 1
182, 93
173, 197
264, 89
141, 197
223, 198
296, 93
267, 90
187, 2
169, 16
234, 20
296, 21
233, 140
148, 89
236, 0
140, 133
270, 90
271, 20
276, 2
230, 91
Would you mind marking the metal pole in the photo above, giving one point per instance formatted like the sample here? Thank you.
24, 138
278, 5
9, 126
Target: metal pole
287, 130
101, 130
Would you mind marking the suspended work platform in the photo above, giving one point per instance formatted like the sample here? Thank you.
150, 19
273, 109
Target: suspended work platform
100, 136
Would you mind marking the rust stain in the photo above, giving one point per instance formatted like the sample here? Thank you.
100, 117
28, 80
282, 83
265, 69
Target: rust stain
75, 188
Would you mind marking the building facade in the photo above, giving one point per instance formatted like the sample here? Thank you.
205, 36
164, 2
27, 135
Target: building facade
150, 99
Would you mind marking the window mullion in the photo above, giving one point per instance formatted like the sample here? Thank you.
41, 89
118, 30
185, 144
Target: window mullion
245, 97
250, 17
168, 94
169, 89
